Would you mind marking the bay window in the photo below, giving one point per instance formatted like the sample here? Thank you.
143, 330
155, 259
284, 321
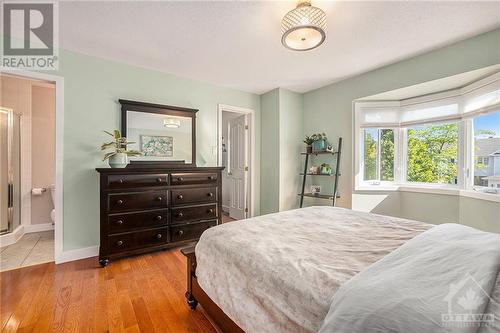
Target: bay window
378, 154
432, 153
487, 152
447, 141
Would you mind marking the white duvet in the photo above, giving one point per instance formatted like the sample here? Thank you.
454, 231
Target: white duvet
278, 272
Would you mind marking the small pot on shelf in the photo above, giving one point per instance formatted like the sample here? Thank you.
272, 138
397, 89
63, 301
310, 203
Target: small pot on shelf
309, 149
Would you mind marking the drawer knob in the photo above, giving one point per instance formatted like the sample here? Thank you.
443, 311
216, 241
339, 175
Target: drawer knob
180, 179
210, 211
181, 232
158, 236
159, 217
210, 194
119, 222
120, 181
179, 214
119, 202
212, 177
119, 243
159, 180
159, 198
180, 197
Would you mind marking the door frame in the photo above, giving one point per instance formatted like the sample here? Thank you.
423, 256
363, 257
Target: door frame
250, 149
58, 81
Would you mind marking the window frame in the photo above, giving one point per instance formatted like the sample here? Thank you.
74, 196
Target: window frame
465, 152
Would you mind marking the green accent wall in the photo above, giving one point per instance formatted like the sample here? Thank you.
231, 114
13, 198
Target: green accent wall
269, 166
92, 87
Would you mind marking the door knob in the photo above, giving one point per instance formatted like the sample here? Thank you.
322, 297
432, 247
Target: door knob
119, 243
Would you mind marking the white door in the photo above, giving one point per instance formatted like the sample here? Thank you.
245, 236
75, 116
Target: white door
238, 167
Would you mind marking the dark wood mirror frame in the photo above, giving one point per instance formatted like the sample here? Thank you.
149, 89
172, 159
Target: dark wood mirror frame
127, 105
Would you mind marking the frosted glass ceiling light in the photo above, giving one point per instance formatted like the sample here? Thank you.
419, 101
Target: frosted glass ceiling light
171, 123
304, 27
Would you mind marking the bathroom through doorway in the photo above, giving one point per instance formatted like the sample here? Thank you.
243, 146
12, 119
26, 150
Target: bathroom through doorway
27, 171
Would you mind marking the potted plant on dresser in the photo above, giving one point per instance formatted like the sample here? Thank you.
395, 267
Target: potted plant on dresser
118, 156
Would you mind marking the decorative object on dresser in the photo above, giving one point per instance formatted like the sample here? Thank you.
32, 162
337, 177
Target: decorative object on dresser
118, 157
161, 199
145, 209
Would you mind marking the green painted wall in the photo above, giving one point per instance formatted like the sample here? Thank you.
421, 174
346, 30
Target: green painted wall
291, 122
329, 109
92, 87
269, 106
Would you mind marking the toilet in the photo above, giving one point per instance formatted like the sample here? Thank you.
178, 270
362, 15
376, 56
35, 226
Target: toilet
53, 198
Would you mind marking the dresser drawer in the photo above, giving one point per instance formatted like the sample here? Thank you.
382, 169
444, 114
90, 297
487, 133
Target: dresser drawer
193, 178
193, 195
190, 231
132, 181
194, 213
137, 201
140, 239
129, 221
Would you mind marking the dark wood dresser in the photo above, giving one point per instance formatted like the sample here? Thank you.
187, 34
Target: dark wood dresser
146, 209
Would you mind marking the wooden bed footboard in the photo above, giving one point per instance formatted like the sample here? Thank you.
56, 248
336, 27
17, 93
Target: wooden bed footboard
195, 295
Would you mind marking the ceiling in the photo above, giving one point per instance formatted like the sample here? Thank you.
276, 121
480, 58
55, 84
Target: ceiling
237, 43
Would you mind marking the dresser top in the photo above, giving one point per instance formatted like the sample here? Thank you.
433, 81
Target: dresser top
158, 169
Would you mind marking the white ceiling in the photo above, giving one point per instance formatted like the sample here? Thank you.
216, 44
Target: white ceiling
237, 43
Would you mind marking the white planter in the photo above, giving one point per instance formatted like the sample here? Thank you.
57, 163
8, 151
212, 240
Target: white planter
119, 160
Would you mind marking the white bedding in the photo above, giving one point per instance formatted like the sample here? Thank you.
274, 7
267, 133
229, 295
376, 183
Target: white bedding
433, 283
278, 272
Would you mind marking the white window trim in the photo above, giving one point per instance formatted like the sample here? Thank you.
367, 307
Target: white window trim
465, 152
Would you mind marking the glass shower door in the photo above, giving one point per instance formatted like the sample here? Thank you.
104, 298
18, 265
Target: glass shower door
10, 166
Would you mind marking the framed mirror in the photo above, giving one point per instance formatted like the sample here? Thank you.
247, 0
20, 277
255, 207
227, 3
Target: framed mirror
163, 134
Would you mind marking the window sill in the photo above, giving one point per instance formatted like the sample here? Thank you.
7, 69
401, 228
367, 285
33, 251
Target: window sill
480, 195
444, 190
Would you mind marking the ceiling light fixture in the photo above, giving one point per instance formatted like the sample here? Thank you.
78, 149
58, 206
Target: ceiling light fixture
303, 28
171, 123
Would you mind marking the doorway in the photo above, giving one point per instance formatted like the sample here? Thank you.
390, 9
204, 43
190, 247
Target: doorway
27, 163
235, 154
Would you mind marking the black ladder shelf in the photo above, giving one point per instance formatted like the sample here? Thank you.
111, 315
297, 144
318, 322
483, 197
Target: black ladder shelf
335, 176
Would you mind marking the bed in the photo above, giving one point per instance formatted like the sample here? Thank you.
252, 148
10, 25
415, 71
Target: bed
312, 269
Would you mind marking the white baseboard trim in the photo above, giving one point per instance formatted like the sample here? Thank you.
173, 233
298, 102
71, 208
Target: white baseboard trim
78, 254
38, 227
13, 237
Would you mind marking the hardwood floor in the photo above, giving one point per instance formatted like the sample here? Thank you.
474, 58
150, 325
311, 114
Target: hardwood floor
139, 294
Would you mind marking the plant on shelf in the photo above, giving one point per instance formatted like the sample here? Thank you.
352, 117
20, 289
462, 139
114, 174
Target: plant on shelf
118, 156
326, 169
320, 142
308, 141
